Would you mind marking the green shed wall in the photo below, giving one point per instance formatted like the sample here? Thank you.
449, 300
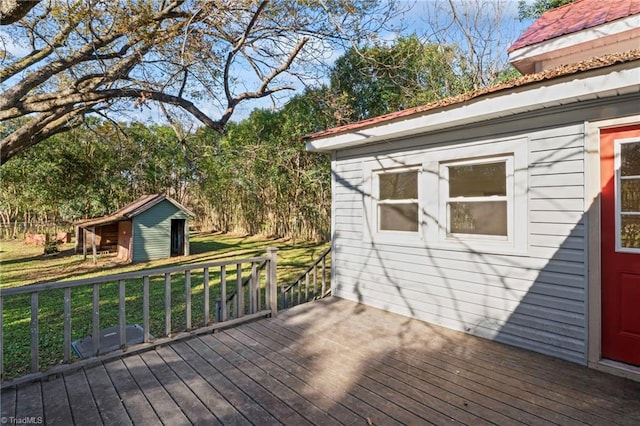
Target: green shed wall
152, 232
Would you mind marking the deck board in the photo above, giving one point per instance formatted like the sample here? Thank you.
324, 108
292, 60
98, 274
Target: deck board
219, 406
57, 409
330, 362
83, 406
132, 398
29, 401
107, 400
155, 391
8, 403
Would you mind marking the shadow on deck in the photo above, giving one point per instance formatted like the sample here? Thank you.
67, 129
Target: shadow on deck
329, 362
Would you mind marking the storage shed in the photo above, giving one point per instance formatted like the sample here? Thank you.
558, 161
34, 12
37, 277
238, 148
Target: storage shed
152, 227
513, 212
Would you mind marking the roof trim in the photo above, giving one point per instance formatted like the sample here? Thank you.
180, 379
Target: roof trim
131, 210
600, 77
523, 58
575, 17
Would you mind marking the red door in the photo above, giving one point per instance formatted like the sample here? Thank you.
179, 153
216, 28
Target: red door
620, 239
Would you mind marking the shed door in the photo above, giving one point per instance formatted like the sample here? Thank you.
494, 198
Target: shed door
620, 240
177, 237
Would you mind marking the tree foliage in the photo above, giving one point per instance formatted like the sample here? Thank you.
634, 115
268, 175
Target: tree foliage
533, 10
254, 178
204, 57
386, 78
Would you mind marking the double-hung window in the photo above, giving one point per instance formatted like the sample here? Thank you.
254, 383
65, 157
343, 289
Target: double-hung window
477, 198
397, 202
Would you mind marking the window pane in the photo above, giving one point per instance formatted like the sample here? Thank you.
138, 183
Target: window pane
399, 186
485, 218
630, 231
630, 195
630, 159
478, 180
398, 217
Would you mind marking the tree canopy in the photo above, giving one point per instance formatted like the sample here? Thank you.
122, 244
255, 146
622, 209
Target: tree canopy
66, 60
380, 79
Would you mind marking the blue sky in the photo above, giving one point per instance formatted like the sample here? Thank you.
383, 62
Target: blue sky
421, 17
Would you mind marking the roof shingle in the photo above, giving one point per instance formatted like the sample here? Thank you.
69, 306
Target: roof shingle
574, 17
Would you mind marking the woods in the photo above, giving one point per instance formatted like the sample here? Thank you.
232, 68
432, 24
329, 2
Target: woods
76, 77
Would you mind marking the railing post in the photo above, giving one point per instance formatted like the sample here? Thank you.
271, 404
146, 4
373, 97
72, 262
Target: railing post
96, 320
1, 343
272, 280
35, 343
122, 314
205, 283
67, 325
145, 309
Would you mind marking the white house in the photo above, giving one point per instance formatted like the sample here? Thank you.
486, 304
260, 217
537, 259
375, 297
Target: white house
513, 212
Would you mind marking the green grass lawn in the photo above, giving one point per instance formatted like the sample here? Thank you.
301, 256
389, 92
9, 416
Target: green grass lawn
22, 265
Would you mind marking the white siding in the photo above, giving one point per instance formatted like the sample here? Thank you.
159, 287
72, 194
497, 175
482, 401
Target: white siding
535, 300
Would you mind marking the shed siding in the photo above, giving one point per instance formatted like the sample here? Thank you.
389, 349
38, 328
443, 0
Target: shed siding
535, 300
152, 231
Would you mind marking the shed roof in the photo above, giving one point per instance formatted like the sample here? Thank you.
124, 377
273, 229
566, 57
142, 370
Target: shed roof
460, 101
574, 17
131, 210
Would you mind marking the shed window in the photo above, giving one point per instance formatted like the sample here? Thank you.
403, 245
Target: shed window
477, 199
398, 201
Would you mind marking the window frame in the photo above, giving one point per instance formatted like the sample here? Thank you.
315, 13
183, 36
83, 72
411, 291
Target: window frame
427, 160
446, 199
618, 194
377, 201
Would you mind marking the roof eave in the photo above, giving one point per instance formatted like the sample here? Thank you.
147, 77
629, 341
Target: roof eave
614, 80
611, 33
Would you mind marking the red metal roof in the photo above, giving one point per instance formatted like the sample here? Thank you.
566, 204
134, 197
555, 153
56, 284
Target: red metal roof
574, 17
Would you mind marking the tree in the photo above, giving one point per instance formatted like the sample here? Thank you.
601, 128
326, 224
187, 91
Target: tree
386, 78
200, 56
482, 31
13, 10
528, 10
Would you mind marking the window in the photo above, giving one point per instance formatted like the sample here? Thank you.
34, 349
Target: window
471, 196
477, 197
628, 195
397, 205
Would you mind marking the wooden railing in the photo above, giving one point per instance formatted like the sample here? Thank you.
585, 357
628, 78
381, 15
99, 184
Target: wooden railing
252, 298
305, 287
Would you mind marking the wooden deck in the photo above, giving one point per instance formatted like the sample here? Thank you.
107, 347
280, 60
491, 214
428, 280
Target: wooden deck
330, 362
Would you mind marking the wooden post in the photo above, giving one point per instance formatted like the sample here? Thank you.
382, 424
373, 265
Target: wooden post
67, 325
224, 313
239, 292
1, 343
205, 283
93, 245
84, 244
145, 309
272, 280
167, 304
35, 341
96, 320
122, 314
187, 298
